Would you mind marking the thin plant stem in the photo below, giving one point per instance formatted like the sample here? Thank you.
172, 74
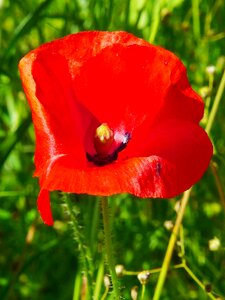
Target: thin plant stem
195, 278
196, 20
151, 271
218, 183
155, 20
94, 226
108, 247
182, 248
184, 201
143, 288
172, 241
77, 287
184, 266
99, 280
105, 293
216, 103
83, 249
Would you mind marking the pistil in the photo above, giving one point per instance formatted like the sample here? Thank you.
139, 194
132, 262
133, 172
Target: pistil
106, 145
103, 140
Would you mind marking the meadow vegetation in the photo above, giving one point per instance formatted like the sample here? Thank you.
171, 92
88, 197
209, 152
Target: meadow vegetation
41, 262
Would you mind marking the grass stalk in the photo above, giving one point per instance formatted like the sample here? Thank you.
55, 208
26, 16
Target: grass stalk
172, 241
216, 103
196, 19
77, 287
184, 201
218, 183
155, 20
99, 280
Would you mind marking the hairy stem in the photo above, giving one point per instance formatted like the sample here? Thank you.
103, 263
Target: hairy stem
85, 256
108, 247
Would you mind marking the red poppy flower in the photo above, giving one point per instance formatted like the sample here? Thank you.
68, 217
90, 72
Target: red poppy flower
113, 114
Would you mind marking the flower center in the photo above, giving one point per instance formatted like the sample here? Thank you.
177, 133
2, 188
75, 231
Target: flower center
107, 145
103, 139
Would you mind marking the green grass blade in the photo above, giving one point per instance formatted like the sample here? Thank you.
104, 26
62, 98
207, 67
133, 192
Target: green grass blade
25, 26
11, 141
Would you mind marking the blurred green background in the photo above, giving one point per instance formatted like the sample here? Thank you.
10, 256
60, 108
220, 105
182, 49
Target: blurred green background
40, 262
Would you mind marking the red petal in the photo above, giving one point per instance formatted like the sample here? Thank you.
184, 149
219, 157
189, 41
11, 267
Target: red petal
54, 111
75, 83
46, 72
177, 155
67, 120
127, 85
184, 144
44, 207
181, 101
145, 177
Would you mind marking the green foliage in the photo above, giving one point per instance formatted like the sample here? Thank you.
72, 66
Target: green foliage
38, 262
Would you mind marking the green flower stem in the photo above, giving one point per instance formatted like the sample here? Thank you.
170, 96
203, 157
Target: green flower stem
151, 271
143, 288
172, 241
108, 247
216, 104
135, 273
105, 293
184, 266
85, 256
194, 277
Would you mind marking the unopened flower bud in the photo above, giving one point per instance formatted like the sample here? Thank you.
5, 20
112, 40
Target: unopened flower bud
143, 277
30, 234
119, 270
168, 224
214, 244
165, 13
204, 91
208, 287
185, 26
210, 70
177, 206
134, 293
107, 282
220, 63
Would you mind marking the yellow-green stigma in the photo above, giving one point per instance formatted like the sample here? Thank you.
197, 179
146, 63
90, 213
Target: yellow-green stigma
106, 146
103, 139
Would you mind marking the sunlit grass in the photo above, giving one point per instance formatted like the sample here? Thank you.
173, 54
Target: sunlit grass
38, 262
